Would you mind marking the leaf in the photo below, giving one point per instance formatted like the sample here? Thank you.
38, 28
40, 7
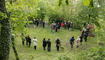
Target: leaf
86, 2
67, 2
60, 2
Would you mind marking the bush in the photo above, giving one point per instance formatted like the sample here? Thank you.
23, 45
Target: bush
92, 54
64, 58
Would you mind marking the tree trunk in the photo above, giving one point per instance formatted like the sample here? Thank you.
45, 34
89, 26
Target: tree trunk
5, 33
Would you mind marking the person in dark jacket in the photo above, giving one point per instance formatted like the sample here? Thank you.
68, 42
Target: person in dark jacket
68, 25
43, 24
29, 41
49, 45
84, 24
56, 28
37, 23
57, 44
26, 40
72, 41
85, 35
44, 44
81, 39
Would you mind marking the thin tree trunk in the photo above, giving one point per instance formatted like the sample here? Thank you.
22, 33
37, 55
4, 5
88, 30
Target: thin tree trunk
5, 33
14, 49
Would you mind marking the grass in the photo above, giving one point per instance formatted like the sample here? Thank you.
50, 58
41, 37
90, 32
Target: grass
26, 53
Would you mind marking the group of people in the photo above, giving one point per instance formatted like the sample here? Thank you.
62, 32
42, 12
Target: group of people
84, 35
59, 25
36, 22
46, 43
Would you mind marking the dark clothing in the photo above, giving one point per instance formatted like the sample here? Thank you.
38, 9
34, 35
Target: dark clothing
35, 47
57, 48
85, 36
29, 44
44, 44
22, 42
43, 24
72, 42
49, 45
57, 44
49, 49
81, 39
72, 39
68, 25
28, 41
58, 25
56, 29
83, 33
84, 24
37, 23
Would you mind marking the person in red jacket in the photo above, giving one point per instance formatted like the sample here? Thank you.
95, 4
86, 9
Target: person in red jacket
62, 24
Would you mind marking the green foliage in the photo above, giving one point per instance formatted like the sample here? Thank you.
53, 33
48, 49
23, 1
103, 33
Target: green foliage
92, 54
67, 2
86, 2
64, 58
42, 9
63, 1
3, 15
60, 2
20, 11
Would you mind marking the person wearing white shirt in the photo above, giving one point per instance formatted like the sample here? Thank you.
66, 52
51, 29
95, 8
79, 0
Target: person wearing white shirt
35, 42
78, 41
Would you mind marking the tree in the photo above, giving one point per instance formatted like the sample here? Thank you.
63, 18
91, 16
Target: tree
5, 32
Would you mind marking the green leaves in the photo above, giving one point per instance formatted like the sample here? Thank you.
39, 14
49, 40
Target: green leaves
3, 15
67, 2
63, 1
60, 2
86, 2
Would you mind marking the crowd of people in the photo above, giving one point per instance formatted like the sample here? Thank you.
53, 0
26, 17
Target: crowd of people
55, 26
38, 22
46, 43
59, 25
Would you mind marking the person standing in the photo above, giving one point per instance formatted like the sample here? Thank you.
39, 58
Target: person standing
81, 40
49, 45
26, 40
83, 31
71, 25
56, 28
23, 38
72, 41
51, 28
37, 23
44, 44
85, 35
29, 41
35, 42
43, 24
68, 25
84, 24
57, 44
77, 42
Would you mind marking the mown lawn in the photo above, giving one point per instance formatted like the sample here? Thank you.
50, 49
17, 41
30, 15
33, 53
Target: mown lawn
26, 53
